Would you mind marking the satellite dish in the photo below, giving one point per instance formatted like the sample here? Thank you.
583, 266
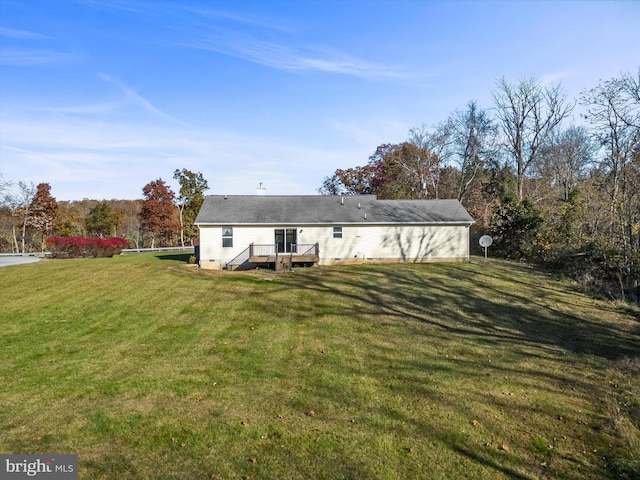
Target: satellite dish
486, 241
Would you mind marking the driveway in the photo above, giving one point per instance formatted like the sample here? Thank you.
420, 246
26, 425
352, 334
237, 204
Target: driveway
7, 261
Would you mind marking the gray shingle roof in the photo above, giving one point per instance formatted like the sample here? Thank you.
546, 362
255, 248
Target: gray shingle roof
324, 209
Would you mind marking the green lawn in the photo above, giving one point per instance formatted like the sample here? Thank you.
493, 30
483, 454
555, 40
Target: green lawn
147, 367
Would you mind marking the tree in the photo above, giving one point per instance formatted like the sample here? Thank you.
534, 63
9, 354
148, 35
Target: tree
42, 211
331, 185
613, 109
19, 204
422, 157
67, 223
565, 158
473, 143
159, 215
528, 113
398, 171
101, 220
6, 215
190, 198
352, 181
514, 227
131, 220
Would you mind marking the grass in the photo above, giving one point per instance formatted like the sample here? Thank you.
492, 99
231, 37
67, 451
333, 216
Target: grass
147, 367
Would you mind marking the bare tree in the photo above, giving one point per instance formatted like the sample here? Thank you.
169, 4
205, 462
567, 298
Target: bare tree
630, 89
613, 109
423, 156
565, 159
473, 143
528, 113
19, 203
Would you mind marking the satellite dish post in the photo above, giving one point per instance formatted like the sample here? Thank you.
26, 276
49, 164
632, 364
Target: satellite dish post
485, 242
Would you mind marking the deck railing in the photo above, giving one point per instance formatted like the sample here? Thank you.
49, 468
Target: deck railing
307, 249
262, 250
271, 250
241, 258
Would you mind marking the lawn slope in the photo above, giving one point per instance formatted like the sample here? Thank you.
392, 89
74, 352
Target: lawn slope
147, 367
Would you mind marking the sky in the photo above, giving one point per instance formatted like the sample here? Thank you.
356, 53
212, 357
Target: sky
100, 97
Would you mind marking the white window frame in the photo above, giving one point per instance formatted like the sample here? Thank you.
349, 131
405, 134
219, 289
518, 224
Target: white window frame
227, 237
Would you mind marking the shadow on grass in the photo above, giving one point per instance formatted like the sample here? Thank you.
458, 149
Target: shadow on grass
486, 304
552, 333
176, 257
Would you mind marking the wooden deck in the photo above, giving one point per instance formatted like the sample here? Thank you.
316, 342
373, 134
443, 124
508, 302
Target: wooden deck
281, 261
268, 256
284, 261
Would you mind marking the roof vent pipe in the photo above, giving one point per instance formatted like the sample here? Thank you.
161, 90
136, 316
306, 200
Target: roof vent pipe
365, 216
341, 200
225, 196
358, 204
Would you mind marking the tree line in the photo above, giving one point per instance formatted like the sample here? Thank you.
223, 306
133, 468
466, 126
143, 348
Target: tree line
563, 195
29, 214
549, 191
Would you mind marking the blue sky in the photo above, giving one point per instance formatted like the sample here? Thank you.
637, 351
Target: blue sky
99, 97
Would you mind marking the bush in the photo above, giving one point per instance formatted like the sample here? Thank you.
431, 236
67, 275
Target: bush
77, 247
598, 267
514, 226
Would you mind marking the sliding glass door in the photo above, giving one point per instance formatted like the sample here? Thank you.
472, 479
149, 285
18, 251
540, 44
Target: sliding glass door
286, 239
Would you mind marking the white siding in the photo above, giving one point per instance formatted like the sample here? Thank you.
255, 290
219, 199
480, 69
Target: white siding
410, 243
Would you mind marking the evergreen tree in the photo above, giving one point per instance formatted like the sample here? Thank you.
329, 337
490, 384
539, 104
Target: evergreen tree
514, 227
101, 220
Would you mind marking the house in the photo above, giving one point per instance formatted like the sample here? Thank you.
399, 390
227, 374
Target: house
246, 231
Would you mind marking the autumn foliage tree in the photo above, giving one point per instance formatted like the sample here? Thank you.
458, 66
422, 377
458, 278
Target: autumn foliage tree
42, 212
159, 214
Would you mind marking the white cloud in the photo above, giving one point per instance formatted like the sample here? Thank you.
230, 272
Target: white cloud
138, 99
83, 158
556, 77
237, 18
19, 57
281, 57
86, 109
371, 133
22, 34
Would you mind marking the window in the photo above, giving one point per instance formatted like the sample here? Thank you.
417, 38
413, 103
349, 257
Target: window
227, 236
337, 232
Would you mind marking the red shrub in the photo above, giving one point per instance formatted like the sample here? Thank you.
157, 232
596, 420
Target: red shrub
74, 247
